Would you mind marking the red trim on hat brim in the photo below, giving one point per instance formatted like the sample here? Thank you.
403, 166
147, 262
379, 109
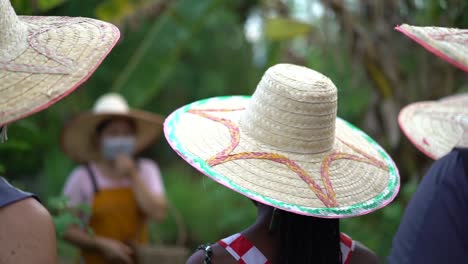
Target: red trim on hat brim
73, 88
408, 135
432, 49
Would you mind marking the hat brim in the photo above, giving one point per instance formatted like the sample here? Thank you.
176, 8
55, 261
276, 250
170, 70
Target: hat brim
450, 44
432, 125
61, 54
79, 136
293, 182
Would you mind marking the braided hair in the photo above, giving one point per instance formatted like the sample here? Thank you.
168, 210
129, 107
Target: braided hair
306, 239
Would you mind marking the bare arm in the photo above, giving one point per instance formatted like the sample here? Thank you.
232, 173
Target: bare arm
153, 205
363, 255
219, 255
196, 258
80, 238
113, 250
27, 234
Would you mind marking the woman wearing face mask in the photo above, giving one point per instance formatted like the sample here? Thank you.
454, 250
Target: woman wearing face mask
123, 192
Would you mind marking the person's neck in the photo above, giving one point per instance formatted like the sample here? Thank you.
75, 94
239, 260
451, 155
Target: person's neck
106, 167
260, 235
105, 164
262, 223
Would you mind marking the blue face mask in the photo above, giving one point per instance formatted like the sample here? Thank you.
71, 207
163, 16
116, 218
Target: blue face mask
111, 147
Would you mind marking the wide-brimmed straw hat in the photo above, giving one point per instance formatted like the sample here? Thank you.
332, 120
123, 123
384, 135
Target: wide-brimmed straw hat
79, 136
285, 147
450, 44
42, 59
436, 127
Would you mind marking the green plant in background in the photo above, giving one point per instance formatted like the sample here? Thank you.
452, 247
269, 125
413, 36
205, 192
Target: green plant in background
179, 51
63, 216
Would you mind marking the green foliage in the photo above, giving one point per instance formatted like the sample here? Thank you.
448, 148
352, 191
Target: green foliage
209, 210
44, 5
194, 50
284, 28
63, 216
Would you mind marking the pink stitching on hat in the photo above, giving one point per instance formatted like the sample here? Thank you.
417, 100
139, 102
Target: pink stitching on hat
66, 63
328, 198
452, 37
425, 142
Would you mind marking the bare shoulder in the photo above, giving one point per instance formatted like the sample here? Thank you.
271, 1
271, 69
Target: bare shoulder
220, 256
363, 255
27, 233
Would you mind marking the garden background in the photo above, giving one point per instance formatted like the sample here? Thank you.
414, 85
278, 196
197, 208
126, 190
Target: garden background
173, 52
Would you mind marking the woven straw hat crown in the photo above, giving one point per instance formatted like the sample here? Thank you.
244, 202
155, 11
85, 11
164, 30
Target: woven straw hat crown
285, 146
293, 109
44, 58
111, 104
13, 33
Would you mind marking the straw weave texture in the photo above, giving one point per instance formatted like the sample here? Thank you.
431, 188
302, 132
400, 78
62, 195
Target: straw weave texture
436, 127
283, 137
42, 59
451, 44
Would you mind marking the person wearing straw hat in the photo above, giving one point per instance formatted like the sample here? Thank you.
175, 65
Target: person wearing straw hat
42, 59
305, 168
123, 191
433, 227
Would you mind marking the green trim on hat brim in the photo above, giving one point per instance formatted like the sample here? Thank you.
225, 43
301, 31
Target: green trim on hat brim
381, 200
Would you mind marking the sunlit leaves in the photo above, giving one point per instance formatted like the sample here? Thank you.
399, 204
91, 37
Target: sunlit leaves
285, 28
117, 10
44, 5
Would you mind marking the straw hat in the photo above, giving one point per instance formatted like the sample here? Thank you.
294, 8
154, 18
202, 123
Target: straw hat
285, 147
42, 59
436, 127
78, 135
450, 44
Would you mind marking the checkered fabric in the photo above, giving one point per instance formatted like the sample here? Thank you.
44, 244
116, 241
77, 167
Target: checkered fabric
347, 247
245, 252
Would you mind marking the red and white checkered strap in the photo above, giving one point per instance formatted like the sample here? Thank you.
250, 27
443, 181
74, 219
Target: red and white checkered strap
242, 250
245, 252
347, 247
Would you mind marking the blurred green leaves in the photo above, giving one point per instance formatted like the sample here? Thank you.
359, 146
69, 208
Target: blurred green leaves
63, 216
117, 10
285, 28
24, 7
154, 60
45, 5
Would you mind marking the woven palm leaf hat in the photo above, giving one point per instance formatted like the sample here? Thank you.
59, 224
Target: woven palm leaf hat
285, 146
77, 136
450, 44
44, 58
436, 127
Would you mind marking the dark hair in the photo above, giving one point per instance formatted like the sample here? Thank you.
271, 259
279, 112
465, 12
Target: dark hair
104, 123
306, 239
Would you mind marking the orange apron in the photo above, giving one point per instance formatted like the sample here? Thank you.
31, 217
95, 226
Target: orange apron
115, 214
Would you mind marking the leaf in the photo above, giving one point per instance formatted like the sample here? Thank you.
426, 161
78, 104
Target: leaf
114, 10
285, 28
15, 145
63, 221
117, 10
45, 5
58, 203
156, 59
